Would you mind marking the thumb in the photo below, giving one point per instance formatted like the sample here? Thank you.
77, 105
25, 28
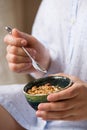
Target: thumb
16, 33
19, 34
30, 39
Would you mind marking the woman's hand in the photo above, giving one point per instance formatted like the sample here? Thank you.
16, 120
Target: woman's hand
18, 61
69, 104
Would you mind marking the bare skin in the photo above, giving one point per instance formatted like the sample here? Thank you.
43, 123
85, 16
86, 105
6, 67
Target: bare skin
7, 122
69, 104
65, 105
18, 61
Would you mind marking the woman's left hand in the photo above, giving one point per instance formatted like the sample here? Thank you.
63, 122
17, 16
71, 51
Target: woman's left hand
69, 104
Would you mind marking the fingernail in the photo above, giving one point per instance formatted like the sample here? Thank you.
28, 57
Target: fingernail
24, 42
39, 113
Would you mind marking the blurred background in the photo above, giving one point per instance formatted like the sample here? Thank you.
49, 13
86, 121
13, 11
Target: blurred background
19, 14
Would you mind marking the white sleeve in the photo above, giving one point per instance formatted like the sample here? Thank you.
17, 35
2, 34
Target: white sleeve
42, 30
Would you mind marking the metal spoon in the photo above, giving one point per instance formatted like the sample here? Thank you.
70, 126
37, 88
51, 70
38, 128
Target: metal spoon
35, 64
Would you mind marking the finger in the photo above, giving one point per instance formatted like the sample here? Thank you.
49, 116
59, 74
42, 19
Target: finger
58, 116
19, 51
68, 93
27, 69
15, 50
58, 106
71, 114
51, 115
20, 67
27, 37
55, 115
73, 118
9, 39
17, 59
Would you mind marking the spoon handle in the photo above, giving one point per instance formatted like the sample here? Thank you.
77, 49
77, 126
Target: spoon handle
34, 63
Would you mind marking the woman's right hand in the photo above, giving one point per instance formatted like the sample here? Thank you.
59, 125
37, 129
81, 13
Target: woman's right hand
18, 61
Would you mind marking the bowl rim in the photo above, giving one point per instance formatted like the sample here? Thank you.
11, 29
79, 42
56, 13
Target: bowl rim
36, 80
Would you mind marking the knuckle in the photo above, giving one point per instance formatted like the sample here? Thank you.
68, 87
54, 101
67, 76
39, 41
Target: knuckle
63, 105
13, 49
11, 58
14, 59
13, 67
80, 86
50, 107
45, 115
61, 115
72, 92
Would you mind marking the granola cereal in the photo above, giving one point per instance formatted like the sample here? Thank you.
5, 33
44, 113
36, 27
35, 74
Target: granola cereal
44, 89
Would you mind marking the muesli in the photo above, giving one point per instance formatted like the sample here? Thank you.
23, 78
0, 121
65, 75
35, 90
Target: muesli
44, 89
